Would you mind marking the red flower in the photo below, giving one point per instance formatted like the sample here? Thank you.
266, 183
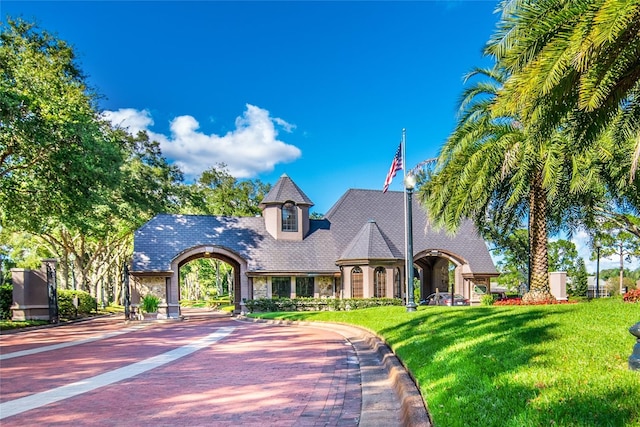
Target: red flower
632, 296
518, 301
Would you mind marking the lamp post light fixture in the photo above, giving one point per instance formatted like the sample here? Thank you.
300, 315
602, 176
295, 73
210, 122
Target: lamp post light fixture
598, 246
409, 185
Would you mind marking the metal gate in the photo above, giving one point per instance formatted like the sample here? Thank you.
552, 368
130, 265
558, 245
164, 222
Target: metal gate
52, 290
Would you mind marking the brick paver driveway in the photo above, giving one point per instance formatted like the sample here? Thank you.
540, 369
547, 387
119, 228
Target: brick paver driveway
203, 371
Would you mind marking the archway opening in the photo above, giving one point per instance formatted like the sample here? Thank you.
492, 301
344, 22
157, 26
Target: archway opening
437, 273
208, 280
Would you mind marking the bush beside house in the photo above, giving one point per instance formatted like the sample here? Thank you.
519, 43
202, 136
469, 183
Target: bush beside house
317, 304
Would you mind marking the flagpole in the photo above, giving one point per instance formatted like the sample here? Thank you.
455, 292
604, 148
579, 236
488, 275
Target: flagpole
408, 184
406, 234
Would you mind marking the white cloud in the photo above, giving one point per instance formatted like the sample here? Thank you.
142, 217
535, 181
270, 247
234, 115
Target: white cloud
252, 148
130, 118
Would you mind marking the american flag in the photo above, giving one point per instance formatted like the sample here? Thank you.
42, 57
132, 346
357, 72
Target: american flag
396, 166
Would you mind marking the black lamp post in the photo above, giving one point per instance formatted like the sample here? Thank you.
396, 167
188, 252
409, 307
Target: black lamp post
409, 185
598, 246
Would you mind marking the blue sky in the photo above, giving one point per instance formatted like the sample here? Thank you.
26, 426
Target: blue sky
318, 90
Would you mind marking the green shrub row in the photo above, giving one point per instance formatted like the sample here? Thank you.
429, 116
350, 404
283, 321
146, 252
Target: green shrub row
6, 299
317, 304
66, 308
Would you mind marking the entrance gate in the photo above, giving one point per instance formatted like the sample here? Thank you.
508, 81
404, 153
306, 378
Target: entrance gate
52, 290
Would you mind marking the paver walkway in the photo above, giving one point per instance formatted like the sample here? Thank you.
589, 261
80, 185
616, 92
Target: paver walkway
198, 372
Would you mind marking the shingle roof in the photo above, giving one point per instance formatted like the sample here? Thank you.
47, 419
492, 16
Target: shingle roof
366, 224
356, 207
165, 236
369, 243
285, 190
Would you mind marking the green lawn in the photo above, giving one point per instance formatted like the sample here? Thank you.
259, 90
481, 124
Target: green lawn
6, 325
564, 365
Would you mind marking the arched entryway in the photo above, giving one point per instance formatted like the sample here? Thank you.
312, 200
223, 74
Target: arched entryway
166, 284
439, 270
238, 264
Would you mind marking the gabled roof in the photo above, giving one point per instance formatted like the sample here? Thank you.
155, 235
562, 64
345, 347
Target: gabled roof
363, 224
368, 244
285, 190
356, 207
165, 236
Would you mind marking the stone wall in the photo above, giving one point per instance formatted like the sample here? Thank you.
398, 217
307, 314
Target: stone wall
260, 288
324, 286
146, 285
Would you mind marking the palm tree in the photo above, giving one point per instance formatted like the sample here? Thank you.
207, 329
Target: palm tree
491, 171
573, 63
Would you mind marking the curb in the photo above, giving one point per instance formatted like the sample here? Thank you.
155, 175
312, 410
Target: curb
413, 411
53, 325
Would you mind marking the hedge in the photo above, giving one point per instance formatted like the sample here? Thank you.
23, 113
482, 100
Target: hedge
317, 304
86, 303
6, 300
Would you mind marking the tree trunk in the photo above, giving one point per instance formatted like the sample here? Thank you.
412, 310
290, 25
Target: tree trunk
621, 268
538, 254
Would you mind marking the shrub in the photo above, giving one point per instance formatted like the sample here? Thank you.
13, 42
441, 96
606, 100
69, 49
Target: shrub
6, 300
487, 299
632, 296
150, 303
317, 304
66, 308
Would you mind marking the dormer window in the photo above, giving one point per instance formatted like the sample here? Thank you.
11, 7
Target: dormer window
289, 217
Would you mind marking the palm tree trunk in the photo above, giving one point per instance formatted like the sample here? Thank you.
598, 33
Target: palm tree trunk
538, 256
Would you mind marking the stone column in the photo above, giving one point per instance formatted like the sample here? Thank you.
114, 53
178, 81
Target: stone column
558, 285
30, 295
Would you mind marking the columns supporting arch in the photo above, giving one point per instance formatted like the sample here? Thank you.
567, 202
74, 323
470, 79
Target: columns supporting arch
166, 284
434, 272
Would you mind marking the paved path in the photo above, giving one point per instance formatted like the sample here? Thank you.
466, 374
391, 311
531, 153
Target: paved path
205, 371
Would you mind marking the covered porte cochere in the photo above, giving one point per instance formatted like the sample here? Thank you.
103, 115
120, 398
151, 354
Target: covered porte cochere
354, 251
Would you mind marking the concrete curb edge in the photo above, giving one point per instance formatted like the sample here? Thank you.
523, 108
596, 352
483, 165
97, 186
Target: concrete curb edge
413, 407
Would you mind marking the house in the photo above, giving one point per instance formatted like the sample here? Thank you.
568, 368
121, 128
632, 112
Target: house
355, 251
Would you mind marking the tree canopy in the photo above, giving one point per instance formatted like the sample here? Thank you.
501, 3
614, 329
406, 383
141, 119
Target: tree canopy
73, 186
552, 136
57, 156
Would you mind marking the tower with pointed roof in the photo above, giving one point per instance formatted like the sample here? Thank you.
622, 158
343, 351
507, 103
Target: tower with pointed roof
285, 210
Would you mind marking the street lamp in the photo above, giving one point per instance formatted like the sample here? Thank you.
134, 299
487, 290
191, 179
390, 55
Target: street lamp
409, 185
598, 246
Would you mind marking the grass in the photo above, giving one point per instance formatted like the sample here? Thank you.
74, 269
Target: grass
563, 365
6, 325
219, 303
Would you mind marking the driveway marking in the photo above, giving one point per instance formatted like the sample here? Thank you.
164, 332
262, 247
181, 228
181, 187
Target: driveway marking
67, 344
27, 403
